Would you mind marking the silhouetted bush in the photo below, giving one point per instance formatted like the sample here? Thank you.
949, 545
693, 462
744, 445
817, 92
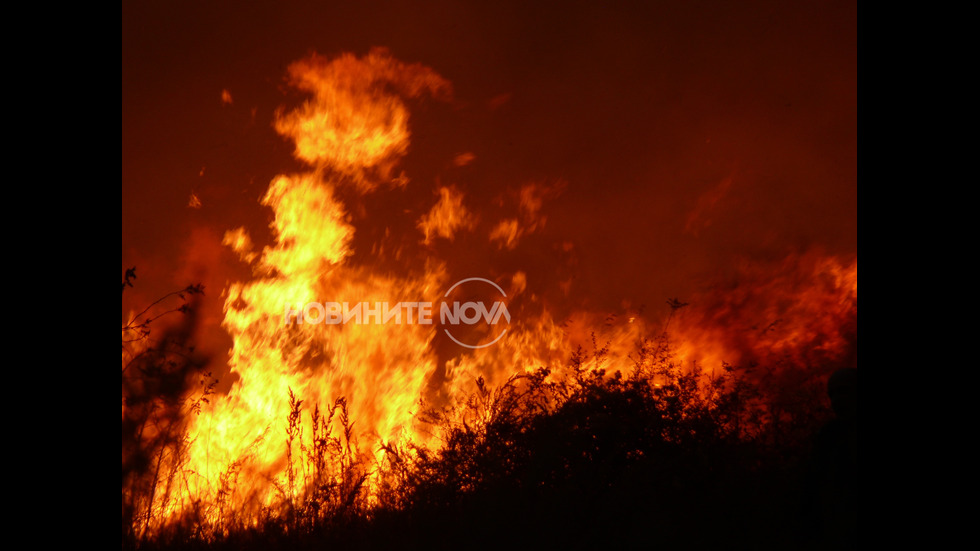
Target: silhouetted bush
567, 458
163, 382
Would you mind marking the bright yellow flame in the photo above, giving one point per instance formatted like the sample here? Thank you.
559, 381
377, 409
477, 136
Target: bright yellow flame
354, 124
353, 131
355, 128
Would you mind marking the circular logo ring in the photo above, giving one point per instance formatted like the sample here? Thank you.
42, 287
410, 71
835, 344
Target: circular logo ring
450, 335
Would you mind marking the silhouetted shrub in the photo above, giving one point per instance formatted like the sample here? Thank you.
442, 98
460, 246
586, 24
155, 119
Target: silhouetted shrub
566, 458
163, 382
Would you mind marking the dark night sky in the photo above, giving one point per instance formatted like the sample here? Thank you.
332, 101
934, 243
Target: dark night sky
687, 134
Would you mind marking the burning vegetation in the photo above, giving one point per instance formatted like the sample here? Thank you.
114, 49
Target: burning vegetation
679, 427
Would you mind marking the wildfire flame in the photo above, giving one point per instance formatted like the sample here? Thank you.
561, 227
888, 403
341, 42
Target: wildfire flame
352, 133
800, 311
